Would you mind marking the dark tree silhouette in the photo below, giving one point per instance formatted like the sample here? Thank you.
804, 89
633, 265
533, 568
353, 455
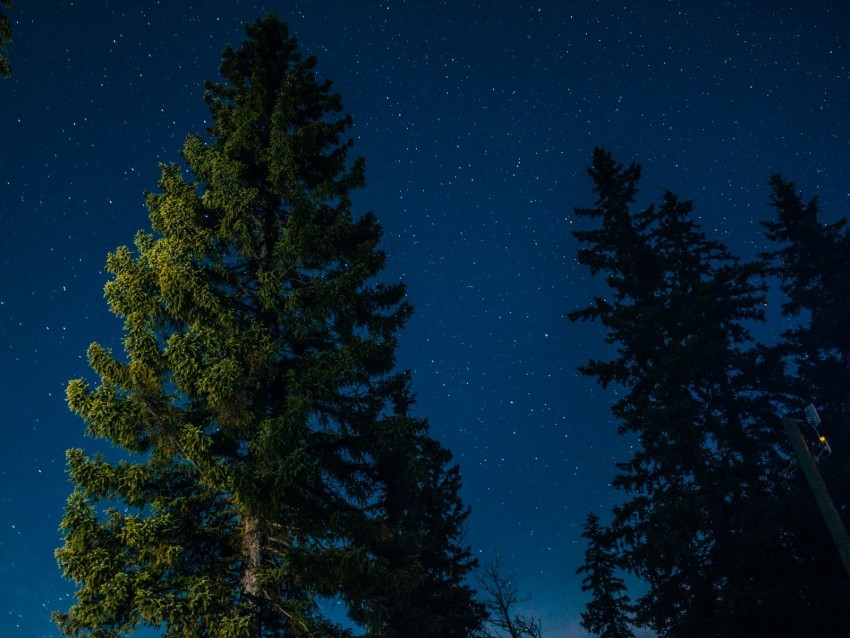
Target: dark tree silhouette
5, 38
706, 522
501, 598
609, 610
812, 365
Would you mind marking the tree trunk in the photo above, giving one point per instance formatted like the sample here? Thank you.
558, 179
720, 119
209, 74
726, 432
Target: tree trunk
253, 543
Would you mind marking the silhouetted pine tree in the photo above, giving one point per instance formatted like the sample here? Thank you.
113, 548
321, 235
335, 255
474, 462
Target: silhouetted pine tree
810, 259
272, 462
609, 610
702, 524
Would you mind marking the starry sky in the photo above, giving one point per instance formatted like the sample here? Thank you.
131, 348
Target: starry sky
477, 121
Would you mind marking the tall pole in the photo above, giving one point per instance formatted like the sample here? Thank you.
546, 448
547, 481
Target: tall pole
824, 501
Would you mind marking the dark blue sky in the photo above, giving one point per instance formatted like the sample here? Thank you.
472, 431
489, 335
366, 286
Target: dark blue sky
477, 121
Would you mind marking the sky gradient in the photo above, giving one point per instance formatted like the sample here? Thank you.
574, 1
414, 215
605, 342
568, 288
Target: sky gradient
477, 122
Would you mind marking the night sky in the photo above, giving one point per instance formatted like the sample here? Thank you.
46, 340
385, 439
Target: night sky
477, 122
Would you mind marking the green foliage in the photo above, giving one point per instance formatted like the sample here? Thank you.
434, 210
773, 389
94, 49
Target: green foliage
710, 523
272, 461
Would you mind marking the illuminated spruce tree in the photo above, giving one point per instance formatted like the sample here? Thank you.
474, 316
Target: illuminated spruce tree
271, 462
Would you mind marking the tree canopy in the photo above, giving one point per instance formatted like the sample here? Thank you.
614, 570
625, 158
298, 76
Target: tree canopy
712, 519
609, 612
271, 461
5, 38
